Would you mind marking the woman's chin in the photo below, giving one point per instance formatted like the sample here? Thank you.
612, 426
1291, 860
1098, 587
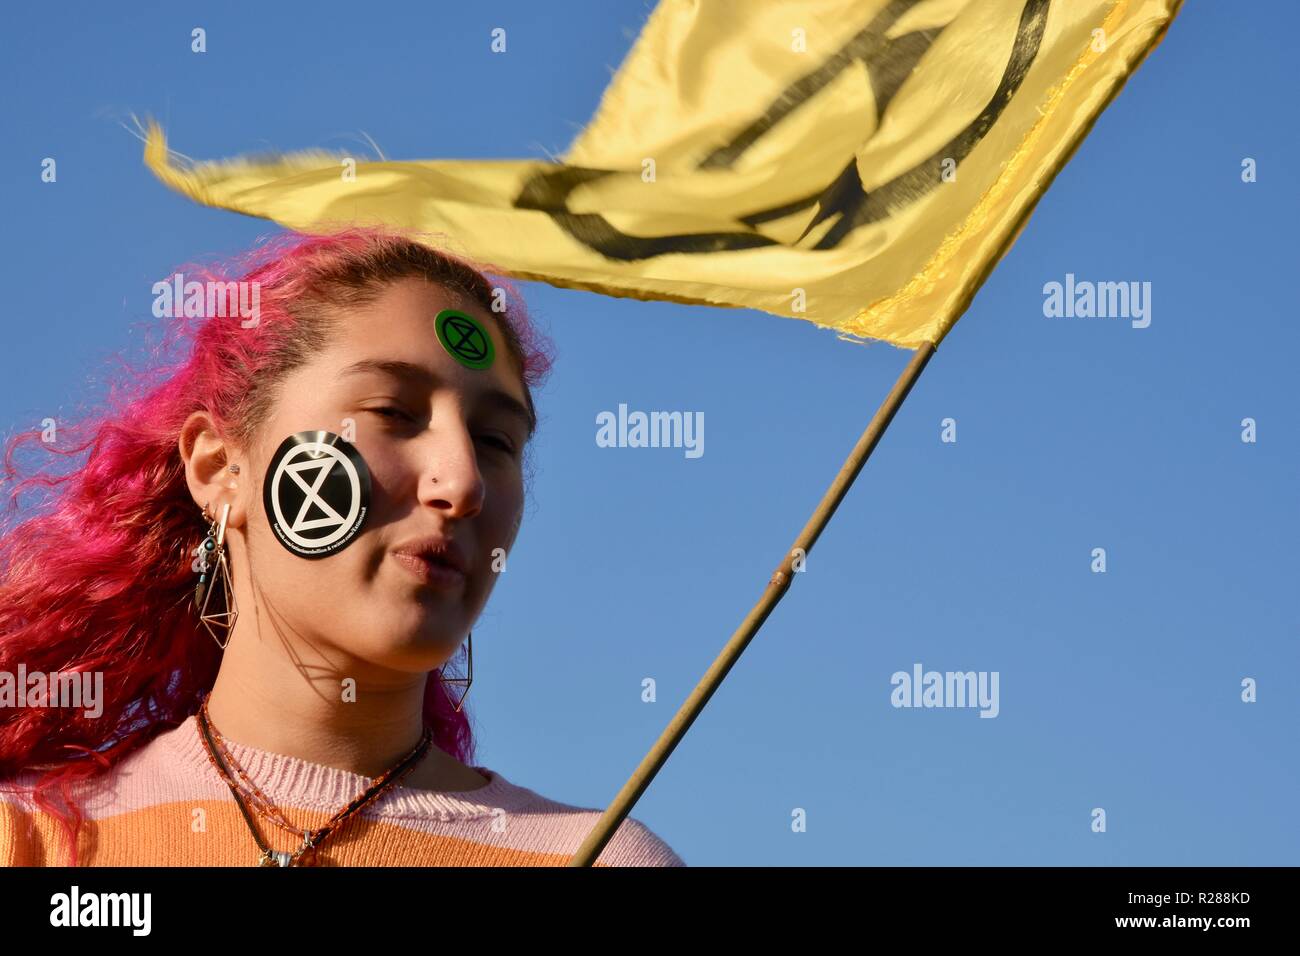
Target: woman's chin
415, 649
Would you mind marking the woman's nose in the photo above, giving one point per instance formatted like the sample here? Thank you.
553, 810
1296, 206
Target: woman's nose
450, 479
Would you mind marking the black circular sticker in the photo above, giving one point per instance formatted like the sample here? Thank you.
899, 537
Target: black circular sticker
317, 493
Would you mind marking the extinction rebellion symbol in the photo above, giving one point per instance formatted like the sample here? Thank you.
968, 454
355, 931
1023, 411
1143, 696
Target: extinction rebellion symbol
317, 493
889, 58
464, 338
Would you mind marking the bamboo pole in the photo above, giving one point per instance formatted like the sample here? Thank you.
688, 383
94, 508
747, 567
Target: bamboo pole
777, 585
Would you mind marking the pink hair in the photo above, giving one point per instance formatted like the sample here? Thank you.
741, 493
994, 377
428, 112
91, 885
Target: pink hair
98, 578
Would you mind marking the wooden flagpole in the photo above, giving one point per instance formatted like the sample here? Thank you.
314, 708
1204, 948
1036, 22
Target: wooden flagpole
777, 585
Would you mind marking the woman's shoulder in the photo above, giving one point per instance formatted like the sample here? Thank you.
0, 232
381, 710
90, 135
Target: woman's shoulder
633, 843
155, 770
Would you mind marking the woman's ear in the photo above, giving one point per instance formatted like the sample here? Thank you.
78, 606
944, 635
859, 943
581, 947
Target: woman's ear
208, 459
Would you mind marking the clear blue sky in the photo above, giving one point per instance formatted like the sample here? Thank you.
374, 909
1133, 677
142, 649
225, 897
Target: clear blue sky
1118, 690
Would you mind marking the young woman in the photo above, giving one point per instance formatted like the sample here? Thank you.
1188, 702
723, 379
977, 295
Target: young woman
268, 555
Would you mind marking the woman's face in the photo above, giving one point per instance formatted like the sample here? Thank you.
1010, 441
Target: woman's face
431, 418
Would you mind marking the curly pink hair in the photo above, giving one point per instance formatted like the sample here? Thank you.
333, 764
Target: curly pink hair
98, 578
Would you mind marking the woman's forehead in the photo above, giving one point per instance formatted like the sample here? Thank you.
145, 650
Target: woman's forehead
405, 318
409, 301
396, 335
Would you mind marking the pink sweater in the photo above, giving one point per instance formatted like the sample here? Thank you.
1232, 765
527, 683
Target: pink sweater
165, 805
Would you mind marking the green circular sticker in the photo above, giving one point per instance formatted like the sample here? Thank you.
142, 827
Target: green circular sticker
465, 338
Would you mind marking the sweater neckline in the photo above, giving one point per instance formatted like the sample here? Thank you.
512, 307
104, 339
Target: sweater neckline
292, 781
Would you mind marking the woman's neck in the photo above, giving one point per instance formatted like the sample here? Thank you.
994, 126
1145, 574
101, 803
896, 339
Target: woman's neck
336, 713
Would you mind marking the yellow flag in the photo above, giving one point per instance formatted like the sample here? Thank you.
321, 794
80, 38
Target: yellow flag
859, 164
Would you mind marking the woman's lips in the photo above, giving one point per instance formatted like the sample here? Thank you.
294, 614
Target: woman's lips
432, 572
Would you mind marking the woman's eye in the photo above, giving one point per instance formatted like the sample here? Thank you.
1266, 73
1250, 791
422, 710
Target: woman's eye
388, 411
501, 443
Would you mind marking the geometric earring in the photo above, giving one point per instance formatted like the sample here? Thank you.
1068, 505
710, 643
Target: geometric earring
210, 555
462, 681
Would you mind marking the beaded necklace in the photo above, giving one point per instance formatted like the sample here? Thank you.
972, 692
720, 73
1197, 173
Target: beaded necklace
219, 753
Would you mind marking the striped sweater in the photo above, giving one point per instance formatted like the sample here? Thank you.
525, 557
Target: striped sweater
165, 805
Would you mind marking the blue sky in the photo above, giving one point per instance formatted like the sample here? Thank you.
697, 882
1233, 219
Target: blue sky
1118, 690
